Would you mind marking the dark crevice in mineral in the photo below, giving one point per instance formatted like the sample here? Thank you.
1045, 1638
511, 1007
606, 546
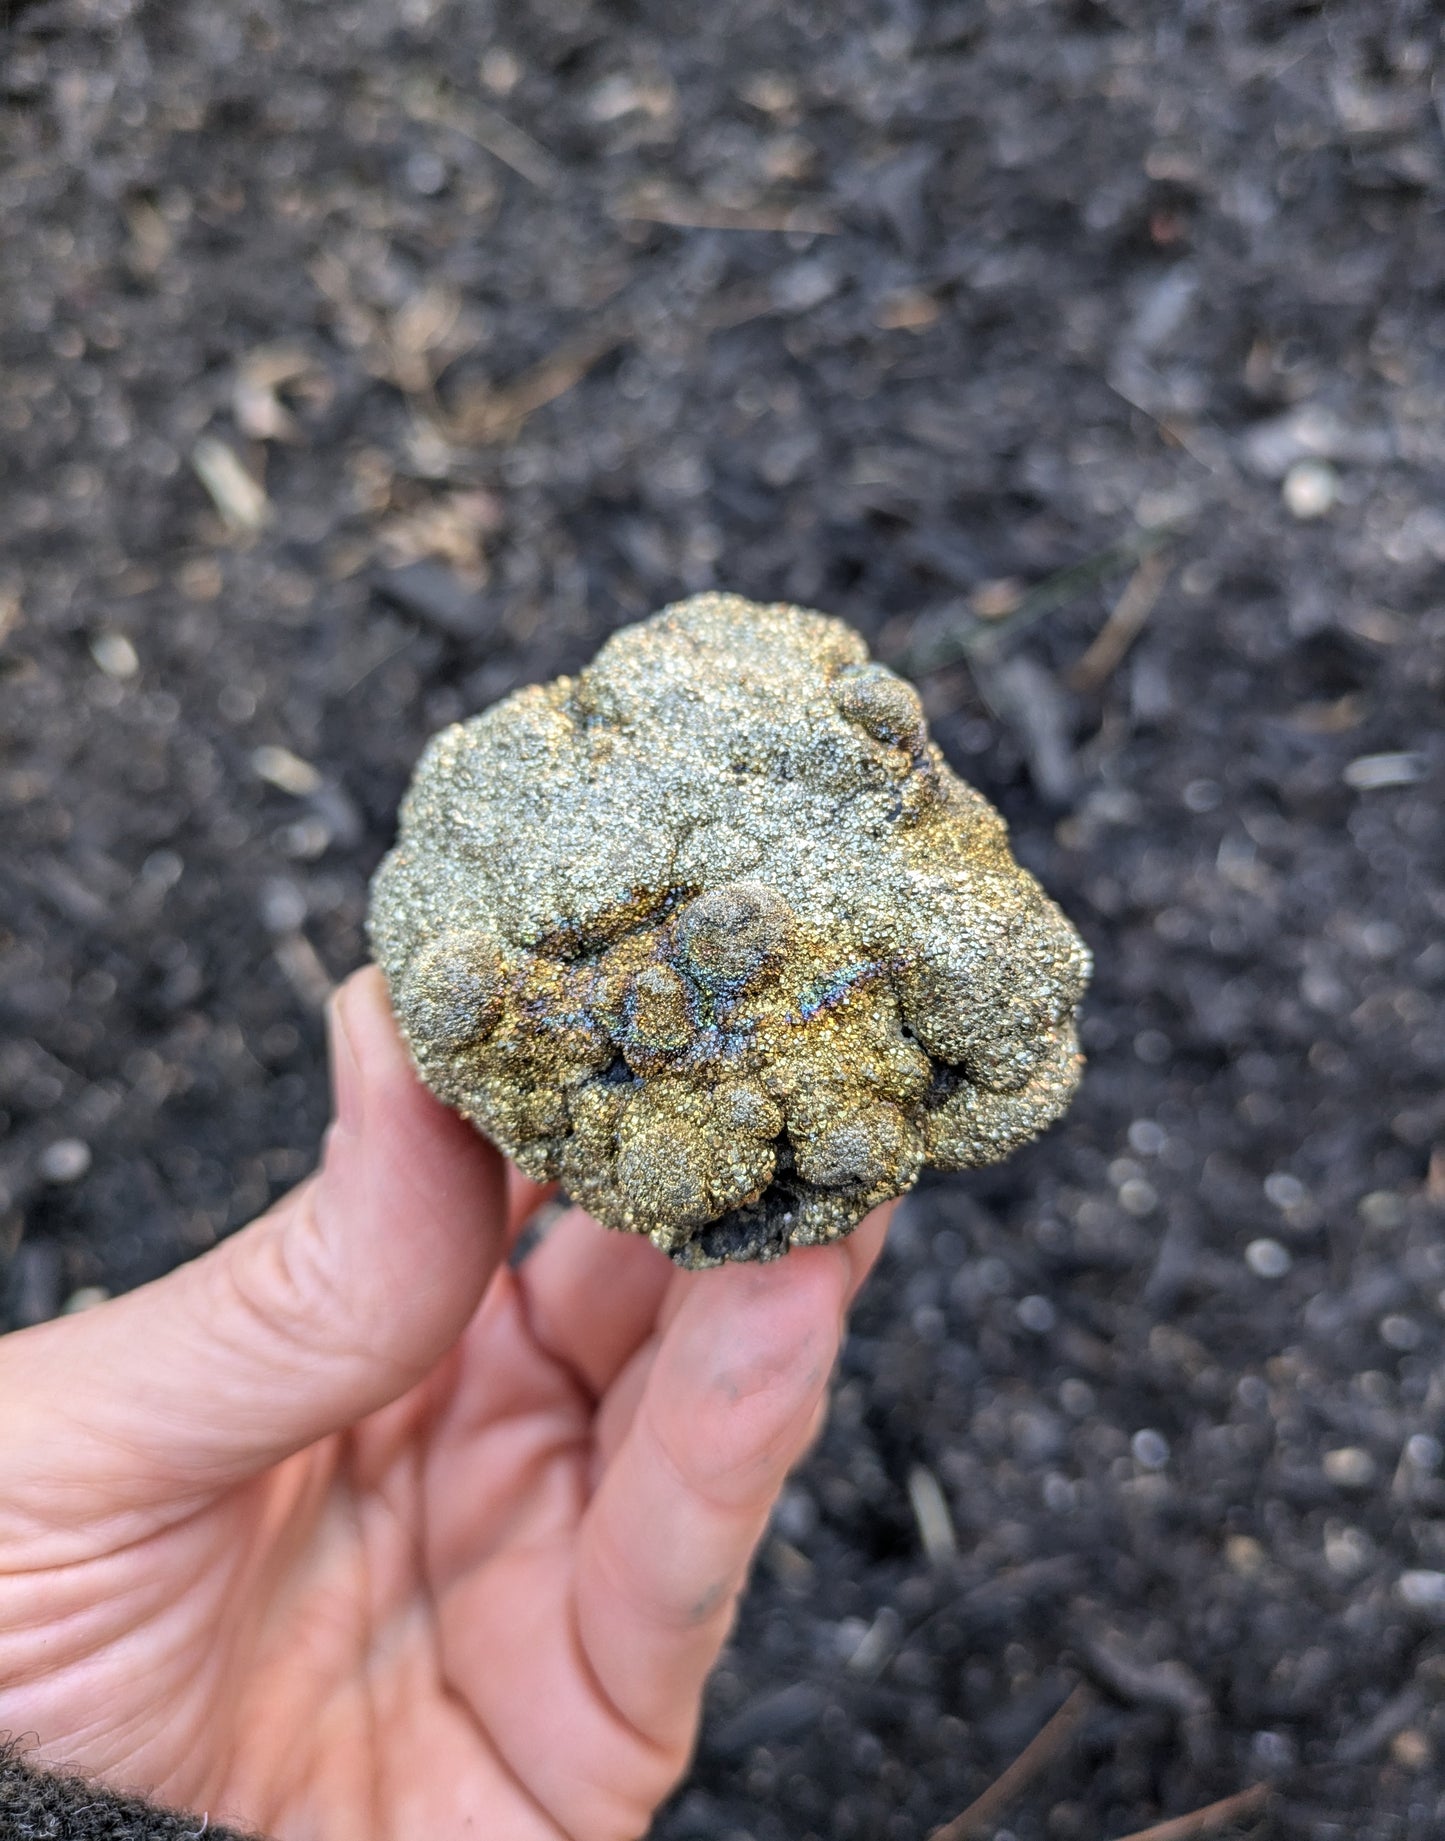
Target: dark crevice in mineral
575, 940
760, 1229
618, 1074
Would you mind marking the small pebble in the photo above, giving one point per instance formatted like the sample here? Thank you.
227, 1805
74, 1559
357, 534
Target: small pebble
115, 655
1037, 1314
85, 1297
1152, 1047
1284, 1190
1425, 1591
1350, 1467
1424, 1452
1150, 1448
1347, 1551
1077, 1398
1272, 1751
1382, 1209
1311, 487
1411, 1749
425, 174
1267, 1258
1402, 1333
1146, 1138
65, 1161
1244, 1555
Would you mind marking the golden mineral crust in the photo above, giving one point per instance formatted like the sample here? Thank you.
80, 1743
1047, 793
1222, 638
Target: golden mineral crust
713, 936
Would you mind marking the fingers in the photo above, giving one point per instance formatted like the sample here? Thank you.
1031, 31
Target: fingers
524, 1198
727, 1406
591, 1296
327, 1308
864, 1245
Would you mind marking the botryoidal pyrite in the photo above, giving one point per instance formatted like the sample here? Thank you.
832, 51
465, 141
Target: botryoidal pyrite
713, 935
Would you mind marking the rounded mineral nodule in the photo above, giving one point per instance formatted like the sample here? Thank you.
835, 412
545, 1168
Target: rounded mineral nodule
712, 935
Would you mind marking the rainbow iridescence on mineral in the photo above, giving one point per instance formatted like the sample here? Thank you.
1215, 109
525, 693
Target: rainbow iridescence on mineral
711, 934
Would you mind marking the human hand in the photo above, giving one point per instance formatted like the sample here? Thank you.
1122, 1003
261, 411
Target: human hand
349, 1529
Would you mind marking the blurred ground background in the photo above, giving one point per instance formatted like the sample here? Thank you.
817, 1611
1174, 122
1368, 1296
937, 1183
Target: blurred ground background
362, 360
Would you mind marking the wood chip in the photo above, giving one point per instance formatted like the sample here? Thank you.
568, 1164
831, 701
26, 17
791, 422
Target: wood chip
240, 499
931, 1512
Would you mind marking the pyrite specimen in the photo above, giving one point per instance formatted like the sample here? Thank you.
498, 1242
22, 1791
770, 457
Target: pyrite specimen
713, 935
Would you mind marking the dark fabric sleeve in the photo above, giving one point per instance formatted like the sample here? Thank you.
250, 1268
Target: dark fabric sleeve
49, 1806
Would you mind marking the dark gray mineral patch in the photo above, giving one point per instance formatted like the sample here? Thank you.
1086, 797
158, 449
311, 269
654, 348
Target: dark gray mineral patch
712, 935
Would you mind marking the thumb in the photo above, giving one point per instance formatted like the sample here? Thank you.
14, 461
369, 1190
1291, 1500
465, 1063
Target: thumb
331, 1305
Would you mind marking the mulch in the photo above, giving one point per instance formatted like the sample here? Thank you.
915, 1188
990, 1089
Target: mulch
362, 361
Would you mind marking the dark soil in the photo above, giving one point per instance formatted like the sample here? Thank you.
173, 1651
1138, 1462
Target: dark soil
949, 297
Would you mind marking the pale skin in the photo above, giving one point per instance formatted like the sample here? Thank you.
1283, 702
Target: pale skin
349, 1529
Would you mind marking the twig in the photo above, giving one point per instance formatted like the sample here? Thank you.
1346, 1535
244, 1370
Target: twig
1211, 1820
656, 205
486, 414
1124, 624
975, 638
491, 131
1031, 1762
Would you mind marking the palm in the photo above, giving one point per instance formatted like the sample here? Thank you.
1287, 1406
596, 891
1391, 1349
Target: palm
489, 1605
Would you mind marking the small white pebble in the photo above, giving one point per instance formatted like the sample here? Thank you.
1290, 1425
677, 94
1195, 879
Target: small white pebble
115, 655
1424, 1590
1423, 1451
1267, 1258
1150, 1448
1347, 1551
163, 868
65, 1161
1310, 488
1350, 1467
1398, 1332
425, 174
1060, 1496
1037, 1314
1146, 1138
1284, 1190
85, 1297
1137, 1197
1380, 938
